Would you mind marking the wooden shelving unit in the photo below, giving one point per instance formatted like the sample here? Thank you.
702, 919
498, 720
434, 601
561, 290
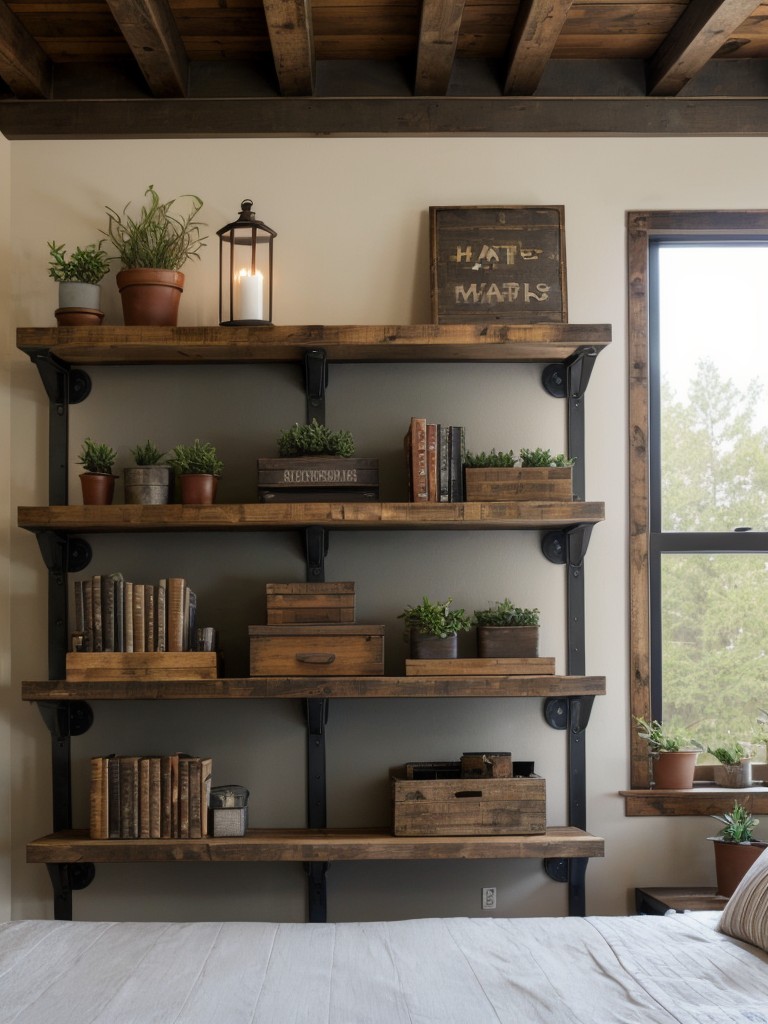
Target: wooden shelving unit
568, 352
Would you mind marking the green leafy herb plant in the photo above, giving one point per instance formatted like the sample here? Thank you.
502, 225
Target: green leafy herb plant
147, 454
738, 825
490, 460
87, 265
96, 457
730, 754
543, 457
435, 618
199, 457
158, 237
660, 741
314, 439
504, 613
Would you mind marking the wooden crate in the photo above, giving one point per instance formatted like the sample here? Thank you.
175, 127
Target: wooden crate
307, 478
316, 650
467, 807
517, 483
302, 603
480, 667
138, 666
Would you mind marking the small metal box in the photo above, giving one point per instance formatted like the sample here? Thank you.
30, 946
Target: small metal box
229, 810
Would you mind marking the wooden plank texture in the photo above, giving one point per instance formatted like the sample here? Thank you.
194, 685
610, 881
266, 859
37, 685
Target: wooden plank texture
142, 666
151, 33
691, 802
293, 48
480, 667
535, 35
74, 846
438, 38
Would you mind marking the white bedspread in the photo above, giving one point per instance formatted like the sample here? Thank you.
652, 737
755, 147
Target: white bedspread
644, 970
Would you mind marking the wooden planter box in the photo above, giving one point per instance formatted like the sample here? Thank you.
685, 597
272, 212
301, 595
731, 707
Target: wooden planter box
316, 650
508, 641
516, 483
467, 807
318, 479
297, 603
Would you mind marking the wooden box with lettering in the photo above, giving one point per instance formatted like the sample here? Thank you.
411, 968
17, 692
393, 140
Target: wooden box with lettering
467, 807
302, 603
321, 478
316, 650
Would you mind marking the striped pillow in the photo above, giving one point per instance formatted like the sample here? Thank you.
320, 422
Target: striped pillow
746, 914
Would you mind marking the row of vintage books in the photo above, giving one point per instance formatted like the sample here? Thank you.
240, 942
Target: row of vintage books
162, 796
115, 614
434, 455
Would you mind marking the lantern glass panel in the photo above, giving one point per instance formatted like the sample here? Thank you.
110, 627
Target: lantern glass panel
246, 275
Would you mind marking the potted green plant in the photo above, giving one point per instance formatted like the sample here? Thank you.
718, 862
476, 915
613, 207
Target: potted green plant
152, 248
79, 279
432, 628
316, 464
734, 766
506, 631
198, 468
97, 480
735, 848
673, 756
148, 481
496, 476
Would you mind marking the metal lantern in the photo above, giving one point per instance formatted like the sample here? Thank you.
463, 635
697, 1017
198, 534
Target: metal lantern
245, 270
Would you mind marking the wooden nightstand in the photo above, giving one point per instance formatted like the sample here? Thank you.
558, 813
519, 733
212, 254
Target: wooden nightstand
660, 900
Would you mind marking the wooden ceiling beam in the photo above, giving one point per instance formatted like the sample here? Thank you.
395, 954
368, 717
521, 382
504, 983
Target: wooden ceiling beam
24, 67
438, 38
289, 23
701, 30
537, 28
150, 31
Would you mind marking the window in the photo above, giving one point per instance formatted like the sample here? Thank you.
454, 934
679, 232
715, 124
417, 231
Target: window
699, 474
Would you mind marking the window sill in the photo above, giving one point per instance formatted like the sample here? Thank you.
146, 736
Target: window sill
700, 801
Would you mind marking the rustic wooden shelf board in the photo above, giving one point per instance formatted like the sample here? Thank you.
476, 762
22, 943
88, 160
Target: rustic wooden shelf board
74, 846
279, 687
481, 342
374, 515
701, 800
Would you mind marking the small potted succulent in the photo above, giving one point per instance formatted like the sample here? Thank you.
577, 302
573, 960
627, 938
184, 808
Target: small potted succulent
316, 464
673, 756
506, 631
496, 476
79, 279
198, 468
97, 480
148, 481
734, 766
735, 848
152, 248
432, 628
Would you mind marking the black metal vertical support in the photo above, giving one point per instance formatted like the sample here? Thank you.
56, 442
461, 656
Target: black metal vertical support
315, 383
64, 386
316, 548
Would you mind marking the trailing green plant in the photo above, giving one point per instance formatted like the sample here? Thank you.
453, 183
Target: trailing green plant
314, 439
158, 237
96, 457
738, 824
435, 618
543, 457
491, 459
147, 454
729, 755
86, 266
504, 613
660, 741
199, 457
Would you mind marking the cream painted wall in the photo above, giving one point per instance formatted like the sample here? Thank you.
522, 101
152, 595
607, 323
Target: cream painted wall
352, 247
6, 695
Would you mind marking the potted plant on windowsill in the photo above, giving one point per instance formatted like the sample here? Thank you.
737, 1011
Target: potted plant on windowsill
506, 631
97, 480
79, 279
198, 468
152, 248
148, 482
673, 757
317, 464
735, 848
432, 628
495, 476
734, 766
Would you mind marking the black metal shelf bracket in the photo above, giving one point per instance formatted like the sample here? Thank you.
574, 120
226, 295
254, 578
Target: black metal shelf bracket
567, 547
570, 377
570, 870
66, 718
62, 383
316, 544
315, 383
66, 879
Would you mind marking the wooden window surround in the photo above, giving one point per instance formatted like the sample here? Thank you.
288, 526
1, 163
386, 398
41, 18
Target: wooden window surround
642, 227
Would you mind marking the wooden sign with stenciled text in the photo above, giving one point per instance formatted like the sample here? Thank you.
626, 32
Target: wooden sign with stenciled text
498, 263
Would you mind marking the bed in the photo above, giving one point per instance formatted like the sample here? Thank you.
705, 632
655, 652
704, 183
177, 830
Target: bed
655, 970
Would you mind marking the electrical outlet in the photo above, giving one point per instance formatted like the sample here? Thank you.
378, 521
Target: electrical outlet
489, 898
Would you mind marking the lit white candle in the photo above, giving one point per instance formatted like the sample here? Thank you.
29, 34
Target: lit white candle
249, 296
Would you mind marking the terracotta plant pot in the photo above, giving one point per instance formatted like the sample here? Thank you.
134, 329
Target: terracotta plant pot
150, 297
674, 769
98, 488
76, 316
732, 861
438, 647
508, 641
198, 488
147, 485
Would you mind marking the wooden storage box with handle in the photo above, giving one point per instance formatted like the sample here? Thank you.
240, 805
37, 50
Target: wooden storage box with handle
316, 650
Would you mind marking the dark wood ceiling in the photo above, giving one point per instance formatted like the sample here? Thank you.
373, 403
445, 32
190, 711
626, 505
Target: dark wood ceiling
180, 68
